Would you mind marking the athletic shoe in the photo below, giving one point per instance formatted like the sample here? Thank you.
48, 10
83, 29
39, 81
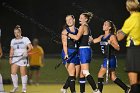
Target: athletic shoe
96, 91
128, 90
23, 90
14, 90
3, 92
30, 81
63, 90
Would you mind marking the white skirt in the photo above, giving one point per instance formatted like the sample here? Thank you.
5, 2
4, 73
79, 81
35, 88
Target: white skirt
20, 61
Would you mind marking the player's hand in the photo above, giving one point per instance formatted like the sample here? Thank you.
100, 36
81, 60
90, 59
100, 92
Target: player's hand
90, 39
25, 54
65, 33
66, 57
28, 65
109, 42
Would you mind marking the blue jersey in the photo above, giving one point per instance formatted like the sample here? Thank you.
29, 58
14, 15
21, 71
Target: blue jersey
72, 49
71, 43
109, 52
107, 49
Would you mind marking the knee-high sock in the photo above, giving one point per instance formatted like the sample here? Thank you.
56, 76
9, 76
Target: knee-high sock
67, 83
1, 84
91, 82
100, 84
15, 80
72, 84
120, 83
24, 81
82, 82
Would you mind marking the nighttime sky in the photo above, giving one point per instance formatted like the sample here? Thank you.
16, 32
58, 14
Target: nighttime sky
44, 19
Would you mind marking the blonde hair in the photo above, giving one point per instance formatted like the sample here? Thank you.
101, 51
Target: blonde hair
18, 28
132, 5
88, 15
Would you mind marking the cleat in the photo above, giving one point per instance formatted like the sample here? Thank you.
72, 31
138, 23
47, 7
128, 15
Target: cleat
3, 92
63, 90
30, 81
23, 90
97, 91
14, 90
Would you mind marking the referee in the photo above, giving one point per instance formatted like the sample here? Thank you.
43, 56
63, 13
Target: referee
131, 29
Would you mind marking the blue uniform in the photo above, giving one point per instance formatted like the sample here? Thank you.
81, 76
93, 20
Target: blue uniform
109, 53
85, 51
72, 49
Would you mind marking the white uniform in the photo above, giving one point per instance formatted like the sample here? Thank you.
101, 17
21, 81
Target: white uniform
20, 48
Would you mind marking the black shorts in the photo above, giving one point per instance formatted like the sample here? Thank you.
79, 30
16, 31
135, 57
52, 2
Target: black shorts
133, 59
34, 68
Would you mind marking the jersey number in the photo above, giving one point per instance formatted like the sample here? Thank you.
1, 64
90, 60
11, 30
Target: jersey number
103, 49
17, 46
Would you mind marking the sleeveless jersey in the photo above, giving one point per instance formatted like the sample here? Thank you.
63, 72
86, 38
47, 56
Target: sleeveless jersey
106, 48
71, 43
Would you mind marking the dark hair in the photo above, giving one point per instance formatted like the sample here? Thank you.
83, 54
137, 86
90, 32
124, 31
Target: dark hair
36, 40
113, 27
65, 25
71, 16
18, 28
88, 15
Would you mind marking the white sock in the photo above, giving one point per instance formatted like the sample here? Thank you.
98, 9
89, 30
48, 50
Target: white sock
1, 84
24, 81
15, 80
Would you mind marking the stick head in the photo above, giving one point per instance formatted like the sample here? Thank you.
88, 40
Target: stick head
57, 65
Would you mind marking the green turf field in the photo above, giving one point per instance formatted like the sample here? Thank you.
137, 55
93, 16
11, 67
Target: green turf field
51, 80
55, 88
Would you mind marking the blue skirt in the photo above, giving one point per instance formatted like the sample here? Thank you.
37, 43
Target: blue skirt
112, 62
73, 57
85, 55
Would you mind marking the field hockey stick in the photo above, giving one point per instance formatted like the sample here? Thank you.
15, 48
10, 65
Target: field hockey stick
83, 9
16, 56
108, 59
107, 71
57, 65
68, 60
35, 22
21, 57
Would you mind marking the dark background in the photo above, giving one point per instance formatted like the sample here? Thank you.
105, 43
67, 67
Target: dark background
44, 19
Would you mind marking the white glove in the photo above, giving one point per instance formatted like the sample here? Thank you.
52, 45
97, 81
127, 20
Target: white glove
28, 64
66, 57
25, 54
90, 39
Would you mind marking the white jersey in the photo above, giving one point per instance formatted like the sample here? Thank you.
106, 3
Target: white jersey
20, 48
